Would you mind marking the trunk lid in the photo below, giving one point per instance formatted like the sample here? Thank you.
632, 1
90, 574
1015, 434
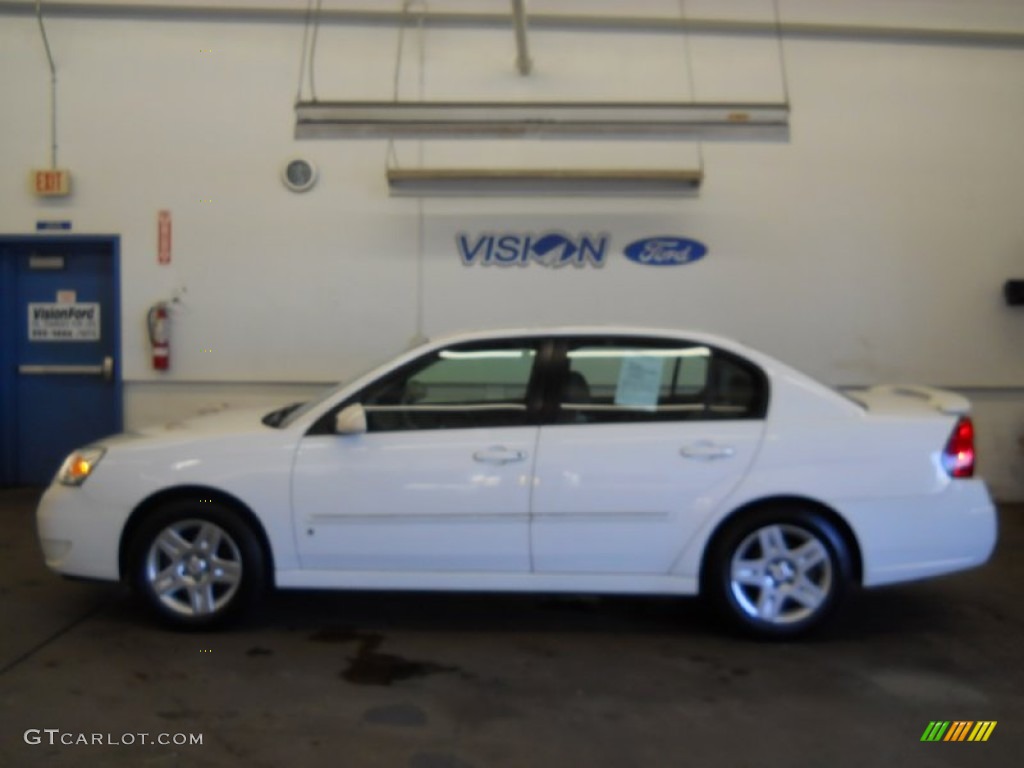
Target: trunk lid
909, 399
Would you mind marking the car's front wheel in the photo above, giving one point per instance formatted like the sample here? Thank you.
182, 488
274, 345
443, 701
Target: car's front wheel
197, 563
779, 571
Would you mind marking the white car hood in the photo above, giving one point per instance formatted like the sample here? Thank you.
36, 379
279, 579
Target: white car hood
221, 421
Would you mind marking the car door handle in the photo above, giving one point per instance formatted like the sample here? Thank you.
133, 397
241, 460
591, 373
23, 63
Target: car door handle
707, 451
498, 455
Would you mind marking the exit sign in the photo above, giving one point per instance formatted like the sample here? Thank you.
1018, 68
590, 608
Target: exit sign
53, 182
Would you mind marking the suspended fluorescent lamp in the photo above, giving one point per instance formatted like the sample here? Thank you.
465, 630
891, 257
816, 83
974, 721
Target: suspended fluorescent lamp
595, 120
464, 182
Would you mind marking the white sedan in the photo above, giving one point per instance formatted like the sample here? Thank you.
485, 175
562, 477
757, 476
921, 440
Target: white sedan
605, 460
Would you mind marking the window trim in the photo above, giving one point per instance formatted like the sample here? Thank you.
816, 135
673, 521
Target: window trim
550, 372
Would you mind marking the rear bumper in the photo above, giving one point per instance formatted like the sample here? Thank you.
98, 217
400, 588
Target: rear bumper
915, 538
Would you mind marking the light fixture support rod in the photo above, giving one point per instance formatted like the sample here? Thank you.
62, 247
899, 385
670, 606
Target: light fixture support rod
523, 62
53, 86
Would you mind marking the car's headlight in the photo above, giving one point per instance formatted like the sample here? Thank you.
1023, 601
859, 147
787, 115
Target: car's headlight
79, 465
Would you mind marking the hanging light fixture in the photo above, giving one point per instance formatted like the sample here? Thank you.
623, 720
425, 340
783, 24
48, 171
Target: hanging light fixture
542, 182
595, 120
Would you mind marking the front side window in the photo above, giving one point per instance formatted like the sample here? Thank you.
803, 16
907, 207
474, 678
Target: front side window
469, 385
656, 380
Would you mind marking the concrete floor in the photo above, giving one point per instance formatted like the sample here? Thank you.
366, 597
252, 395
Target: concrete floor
449, 681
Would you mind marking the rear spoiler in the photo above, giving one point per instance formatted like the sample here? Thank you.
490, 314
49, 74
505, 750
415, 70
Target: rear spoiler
941, 400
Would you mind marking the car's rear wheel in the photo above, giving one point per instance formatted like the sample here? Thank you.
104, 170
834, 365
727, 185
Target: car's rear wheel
778, 571
197, 563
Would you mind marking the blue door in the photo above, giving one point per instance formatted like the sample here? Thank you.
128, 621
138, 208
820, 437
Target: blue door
59, 357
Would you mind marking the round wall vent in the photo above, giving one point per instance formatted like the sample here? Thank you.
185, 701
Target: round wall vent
299, 175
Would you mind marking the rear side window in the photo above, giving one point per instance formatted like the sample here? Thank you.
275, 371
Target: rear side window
636, 380
739, 389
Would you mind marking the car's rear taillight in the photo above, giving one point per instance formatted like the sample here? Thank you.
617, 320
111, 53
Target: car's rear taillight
958, 457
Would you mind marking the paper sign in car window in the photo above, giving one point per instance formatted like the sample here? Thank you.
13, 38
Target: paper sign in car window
639, 381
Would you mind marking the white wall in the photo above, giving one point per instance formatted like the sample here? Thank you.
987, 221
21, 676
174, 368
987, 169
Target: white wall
870, 247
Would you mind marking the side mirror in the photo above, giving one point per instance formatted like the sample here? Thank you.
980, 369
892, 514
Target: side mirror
351, 420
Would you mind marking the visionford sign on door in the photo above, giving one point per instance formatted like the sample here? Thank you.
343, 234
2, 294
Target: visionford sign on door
557, 249
63, 322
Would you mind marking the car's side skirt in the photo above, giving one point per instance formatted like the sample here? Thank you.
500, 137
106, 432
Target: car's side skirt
487, 582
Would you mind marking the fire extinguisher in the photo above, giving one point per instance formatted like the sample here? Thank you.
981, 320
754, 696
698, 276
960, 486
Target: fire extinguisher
159, 323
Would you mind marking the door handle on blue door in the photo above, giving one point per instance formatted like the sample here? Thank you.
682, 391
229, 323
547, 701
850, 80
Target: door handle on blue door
498, 454
104, 369
707, 451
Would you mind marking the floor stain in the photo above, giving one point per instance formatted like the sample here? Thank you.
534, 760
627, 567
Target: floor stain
928, 687
180, 714
384, 669
437, 760
369, 666
723, 672
404, 715
340, 635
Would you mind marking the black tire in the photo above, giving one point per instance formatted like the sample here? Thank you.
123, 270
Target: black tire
778, 571
197, 564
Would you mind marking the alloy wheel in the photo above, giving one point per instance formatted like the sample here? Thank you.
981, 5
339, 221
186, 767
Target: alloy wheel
194, 568
781, 574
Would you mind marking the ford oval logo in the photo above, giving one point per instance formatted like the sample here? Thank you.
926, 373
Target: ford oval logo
665, 251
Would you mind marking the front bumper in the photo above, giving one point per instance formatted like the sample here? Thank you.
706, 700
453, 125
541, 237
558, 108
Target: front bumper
79, 534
